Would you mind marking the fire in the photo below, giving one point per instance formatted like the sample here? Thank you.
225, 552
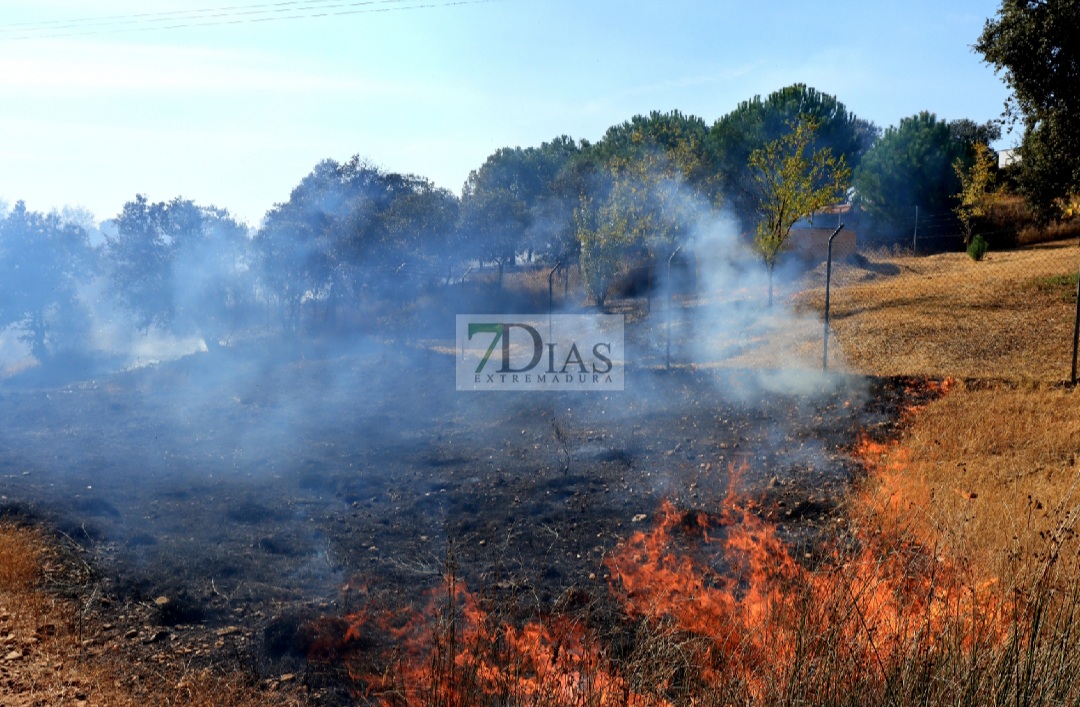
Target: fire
455, 653
749, 621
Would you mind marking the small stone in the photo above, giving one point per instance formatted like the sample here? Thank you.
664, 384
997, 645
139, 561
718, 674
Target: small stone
287, 677
228, 630
132, 633
638, 518
162, 601
156, 636
13, 655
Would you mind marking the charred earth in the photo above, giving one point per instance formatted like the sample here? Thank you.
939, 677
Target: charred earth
233, 502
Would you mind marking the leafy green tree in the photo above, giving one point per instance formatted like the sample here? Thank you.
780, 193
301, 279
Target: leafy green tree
970, 133
673, 144
911, 165
529, 200
792, 180
756, 122
976, 181
177, 265
1034, 43
42, 264
418, 225
344, 226
605, 234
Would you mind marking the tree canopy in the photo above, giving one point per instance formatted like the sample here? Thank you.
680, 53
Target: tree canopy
43, 261
910, 166
756, 122
792, 180
173, 263
1035, 45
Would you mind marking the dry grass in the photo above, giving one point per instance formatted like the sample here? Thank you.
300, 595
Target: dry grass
992, 467
949, 315
48, 656
1000, 465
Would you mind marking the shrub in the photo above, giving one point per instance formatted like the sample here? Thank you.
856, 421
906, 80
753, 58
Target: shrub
977, 248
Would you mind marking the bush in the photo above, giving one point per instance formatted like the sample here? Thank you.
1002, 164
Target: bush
977, 248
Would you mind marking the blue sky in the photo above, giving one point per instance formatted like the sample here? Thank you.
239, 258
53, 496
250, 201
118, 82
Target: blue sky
236, 114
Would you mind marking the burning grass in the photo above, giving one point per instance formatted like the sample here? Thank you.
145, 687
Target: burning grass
714, 609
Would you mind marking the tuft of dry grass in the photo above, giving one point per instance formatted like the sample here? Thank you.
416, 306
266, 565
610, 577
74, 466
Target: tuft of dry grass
21, 552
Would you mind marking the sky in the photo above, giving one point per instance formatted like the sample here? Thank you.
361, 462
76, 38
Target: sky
232, 102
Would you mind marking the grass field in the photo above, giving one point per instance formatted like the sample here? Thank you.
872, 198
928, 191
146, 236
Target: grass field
994, 463
1009, 316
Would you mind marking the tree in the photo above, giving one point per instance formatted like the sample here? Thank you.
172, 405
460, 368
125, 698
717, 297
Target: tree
1034, 43
418, 224
344, 226
605, 234
910, 166
494, 223
530, 205
968, 132
674, 143
42, 264
756, 122
792, 181
975, 183
175, 265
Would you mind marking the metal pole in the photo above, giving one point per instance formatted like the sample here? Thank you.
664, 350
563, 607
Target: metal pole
915, 237
667, 310
1076, 329
551, 293
828, 285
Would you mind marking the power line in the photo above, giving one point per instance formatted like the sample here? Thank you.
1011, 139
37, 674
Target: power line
211, 17
98, 19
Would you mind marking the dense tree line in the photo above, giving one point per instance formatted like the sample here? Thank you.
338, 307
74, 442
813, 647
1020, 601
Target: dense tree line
352, 234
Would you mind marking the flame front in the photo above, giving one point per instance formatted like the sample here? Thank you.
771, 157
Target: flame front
717, 611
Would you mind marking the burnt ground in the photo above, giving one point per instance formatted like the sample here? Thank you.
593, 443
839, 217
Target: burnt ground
227, 499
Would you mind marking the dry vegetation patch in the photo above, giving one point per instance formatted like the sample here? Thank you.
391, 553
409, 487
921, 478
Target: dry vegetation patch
949, 315
49, 655
991, 473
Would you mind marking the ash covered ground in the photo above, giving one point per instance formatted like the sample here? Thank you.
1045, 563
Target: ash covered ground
228, 497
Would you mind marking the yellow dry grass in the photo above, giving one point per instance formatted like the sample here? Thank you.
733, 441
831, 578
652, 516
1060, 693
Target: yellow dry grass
991, 468
991, 474
947, 315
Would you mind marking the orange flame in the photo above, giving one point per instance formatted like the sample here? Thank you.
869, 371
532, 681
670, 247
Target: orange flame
753, 616
457, 654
